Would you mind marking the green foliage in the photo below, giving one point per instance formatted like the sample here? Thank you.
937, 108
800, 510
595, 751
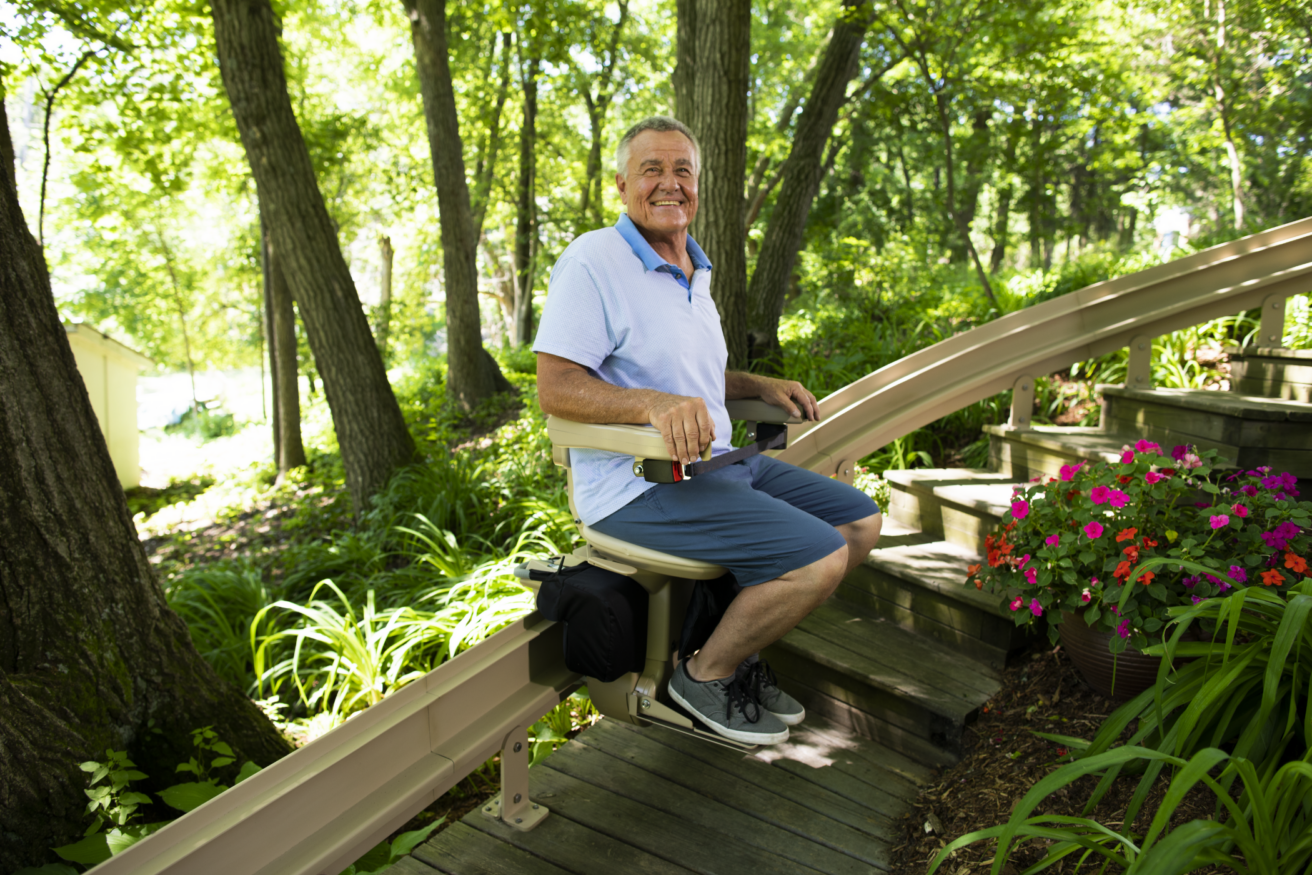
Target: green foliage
204, 423
386, 853
561, 724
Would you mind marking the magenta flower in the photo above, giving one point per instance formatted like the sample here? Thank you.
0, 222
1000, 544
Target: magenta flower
1220, 521
1118, 498
1035, 608
1052, 540
1196, 599
1086, 596
1093, 530
1147, 447
1024, 560
1100, 494
1239, 574
1239, 510
1124, 629
1152, 477
1017, 603
1249, 489
1127, 457
1031, 576
1178, 451
1067, 472
1020, 509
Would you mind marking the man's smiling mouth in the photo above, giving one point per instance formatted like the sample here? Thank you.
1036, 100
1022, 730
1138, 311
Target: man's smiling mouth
667, 203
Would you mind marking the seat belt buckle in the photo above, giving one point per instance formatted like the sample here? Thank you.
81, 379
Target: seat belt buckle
660, 470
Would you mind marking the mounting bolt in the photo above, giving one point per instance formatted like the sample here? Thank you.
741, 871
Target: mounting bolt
535, 806
518, 797
518, 748
1025, 388
519, 820
646, 703
1142, 346
847, 471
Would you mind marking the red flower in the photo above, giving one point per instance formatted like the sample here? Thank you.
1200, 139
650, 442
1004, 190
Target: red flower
1296, 564
1272, 577
1126, 535
1148, 542
972, 570
1132, 553
1168, 471
1146, 578
1124, 478
1122, 570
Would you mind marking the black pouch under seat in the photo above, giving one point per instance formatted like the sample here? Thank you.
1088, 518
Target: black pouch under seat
604, 615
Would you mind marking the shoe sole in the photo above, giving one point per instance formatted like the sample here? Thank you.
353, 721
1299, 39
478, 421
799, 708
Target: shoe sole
726, 732
790, 719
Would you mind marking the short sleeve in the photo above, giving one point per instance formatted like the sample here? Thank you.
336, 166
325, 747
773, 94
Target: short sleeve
574, 324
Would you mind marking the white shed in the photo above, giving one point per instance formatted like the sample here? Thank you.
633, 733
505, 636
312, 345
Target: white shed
109, 370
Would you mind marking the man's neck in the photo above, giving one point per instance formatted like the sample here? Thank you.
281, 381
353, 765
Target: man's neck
673, 249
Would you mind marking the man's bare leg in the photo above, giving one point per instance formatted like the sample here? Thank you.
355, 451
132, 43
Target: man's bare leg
760, 615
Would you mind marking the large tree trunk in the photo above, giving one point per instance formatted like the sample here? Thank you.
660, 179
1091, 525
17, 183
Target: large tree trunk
722, 42
370, 429
89, 651
472, 373
266, 272
802, 175
291, 452
383, 319
526, 224
976, 151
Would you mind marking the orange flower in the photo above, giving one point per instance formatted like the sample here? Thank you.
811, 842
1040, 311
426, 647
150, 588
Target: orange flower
1124, 478
1146, 578
972, 570
979, 584
1132, 552
1126, 535
1296, 564
1272, 577
1122, 570
1148, 542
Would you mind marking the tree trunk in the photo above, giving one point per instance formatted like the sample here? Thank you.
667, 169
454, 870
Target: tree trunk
472, 373
977, 152
384, 317
723, 46
963, 229
266, 274
685, 58
802, 174
287, 389
370, 429
526, 207
1002, 218
89, 651
485, 169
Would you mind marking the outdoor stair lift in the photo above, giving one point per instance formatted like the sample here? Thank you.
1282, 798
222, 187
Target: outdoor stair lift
639, 698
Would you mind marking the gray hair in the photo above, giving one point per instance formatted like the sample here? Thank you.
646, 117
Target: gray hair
660, 124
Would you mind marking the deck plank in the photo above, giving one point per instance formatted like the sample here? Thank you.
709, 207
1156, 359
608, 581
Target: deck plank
462, 850
646, 753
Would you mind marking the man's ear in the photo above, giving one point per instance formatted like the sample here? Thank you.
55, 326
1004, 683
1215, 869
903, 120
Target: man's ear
620, 183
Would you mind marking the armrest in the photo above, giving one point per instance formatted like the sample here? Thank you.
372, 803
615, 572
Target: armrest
639, 441
756, 410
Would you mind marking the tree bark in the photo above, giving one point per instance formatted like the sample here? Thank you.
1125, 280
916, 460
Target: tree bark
384, 319
89, 651
526, 224
1006, 191
287, 389
685, 59
977, 150
590, 200
485, 169
266, 275
472, 373
720, 32
370, 429
802, 174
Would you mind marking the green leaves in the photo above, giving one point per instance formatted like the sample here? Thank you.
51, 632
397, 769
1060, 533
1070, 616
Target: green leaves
186, 797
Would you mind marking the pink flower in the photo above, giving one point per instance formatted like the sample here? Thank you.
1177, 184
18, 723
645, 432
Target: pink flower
1196, 599
1239, 510
1086, 596
1118, 498
1024, 560
1020, 509
1017, 603
1093, 530
1127, 457
1094, 581
1220, 521
1238, 574
1152, 477
1052, 540
1148, 447
1031, 575
1100, 494
1124, 629
1191, 460
1067, 472
1035, 608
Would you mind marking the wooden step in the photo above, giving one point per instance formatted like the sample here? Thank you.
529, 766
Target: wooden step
1044, 449
958, 505
907, 691
1269, 372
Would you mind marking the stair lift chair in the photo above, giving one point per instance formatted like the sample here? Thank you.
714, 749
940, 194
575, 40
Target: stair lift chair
639, 698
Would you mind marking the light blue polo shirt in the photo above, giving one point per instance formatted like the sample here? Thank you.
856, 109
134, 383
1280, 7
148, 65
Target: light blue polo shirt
635, 321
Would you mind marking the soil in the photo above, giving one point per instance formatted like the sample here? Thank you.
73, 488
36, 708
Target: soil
1003, 759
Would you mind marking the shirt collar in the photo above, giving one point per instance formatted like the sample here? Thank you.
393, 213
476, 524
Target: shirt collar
643, 250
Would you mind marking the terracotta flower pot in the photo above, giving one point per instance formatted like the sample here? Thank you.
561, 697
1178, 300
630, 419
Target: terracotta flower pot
1088, 649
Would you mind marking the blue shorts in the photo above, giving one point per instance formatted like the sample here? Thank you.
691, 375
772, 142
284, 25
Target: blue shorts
760, 518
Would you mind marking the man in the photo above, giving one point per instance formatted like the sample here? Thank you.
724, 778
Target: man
630, 334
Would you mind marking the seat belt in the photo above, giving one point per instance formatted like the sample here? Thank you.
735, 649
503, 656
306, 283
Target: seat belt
773, 436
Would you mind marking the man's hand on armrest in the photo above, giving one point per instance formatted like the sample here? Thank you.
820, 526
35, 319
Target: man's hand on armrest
791, 395
567, 390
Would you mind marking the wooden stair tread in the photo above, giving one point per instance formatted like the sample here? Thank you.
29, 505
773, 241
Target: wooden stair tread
1222, 403
939, 566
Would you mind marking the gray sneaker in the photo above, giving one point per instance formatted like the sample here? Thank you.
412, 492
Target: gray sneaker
762, 686
727, 708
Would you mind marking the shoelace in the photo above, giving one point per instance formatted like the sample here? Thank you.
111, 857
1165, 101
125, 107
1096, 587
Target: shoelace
740, 695
757, 677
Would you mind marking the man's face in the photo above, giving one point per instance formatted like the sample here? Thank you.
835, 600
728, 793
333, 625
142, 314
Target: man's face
659, 187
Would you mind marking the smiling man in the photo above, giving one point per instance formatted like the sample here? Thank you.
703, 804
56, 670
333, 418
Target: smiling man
630, 334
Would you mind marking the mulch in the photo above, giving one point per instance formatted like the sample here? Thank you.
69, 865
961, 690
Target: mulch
1003, 759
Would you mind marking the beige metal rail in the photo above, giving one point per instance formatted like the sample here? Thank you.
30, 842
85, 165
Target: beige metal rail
319, 809
1261, 270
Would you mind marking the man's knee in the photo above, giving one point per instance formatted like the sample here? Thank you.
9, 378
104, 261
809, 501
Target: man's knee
822, 577
862, 535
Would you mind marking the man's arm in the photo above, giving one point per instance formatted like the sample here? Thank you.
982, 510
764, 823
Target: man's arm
788, 394
567, 390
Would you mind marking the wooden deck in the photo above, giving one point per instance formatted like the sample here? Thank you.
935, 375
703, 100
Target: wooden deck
652, 802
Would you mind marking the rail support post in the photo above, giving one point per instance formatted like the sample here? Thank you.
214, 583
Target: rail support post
1022, 403
1272, 331
513, 807
1139, 371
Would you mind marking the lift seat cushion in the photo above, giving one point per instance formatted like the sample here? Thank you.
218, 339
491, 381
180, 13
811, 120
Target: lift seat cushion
604, 615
